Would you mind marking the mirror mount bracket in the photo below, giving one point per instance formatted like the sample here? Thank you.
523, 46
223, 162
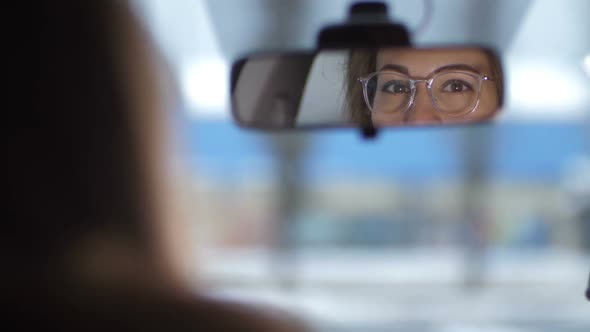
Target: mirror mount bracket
368, 26
369, 132
368, 13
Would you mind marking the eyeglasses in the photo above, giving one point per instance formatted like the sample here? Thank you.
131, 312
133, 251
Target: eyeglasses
454, 93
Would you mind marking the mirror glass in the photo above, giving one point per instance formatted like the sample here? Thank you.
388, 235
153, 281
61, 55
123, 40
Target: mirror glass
387, 87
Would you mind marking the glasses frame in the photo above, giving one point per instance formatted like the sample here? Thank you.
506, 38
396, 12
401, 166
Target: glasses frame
364, 80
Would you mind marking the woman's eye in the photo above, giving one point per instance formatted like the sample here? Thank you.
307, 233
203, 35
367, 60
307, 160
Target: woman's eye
456, 86
396, 87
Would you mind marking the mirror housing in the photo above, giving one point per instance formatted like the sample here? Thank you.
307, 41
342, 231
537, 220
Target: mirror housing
367, 88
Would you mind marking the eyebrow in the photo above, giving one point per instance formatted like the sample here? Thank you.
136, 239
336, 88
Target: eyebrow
405, 71
398, 68
463, 67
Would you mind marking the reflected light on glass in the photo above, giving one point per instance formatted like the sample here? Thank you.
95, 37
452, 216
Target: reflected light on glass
586, 64
556, 90
204, 86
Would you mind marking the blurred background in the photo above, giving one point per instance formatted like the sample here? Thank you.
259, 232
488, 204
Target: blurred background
458, 229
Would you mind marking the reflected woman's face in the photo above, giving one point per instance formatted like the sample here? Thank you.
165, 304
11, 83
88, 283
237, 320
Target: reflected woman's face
427, 86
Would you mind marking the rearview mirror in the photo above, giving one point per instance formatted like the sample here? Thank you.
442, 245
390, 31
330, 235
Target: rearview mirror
381, 87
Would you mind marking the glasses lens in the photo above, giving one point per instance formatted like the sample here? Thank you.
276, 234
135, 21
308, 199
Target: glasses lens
388, 92
455, 92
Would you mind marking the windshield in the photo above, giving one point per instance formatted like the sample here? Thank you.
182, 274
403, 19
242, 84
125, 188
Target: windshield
459, 229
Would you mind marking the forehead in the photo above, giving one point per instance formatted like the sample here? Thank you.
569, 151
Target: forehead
422, 62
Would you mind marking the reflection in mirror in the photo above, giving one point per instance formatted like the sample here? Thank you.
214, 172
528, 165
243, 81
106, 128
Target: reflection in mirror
268, 89
368, 87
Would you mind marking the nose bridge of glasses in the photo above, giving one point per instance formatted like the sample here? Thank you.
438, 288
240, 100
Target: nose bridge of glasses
422, 108
414, 83
417, 91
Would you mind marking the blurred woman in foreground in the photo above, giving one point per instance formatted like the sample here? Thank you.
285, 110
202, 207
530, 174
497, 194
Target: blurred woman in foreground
98, 240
